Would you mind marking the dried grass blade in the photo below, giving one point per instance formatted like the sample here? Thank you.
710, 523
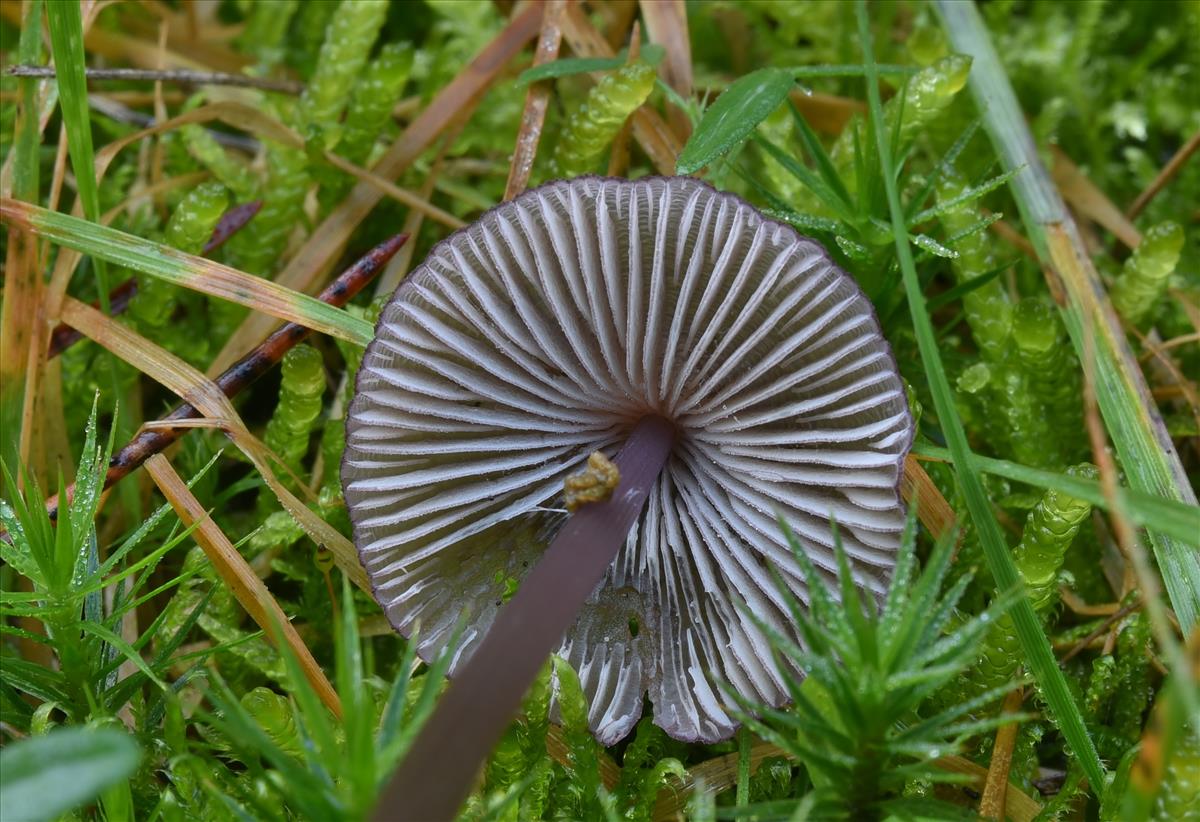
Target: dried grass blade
196, 56
666, 23
826, 113
232, 567
21, 309
994, 802
192, 386
400, 264
458, 99
933, 510
556, 746
1090, 201
186, 270
413, 201
537, 99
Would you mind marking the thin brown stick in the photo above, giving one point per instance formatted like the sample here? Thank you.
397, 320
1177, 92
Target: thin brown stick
1174, 342
1101, 629
1006, 232
537, 99
182, 76
1165, 176
395, 192
1156, 352
250, 591
1078, 606
995, 788
151, 440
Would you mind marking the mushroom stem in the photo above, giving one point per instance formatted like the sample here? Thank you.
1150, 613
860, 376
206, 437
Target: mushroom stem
482, 699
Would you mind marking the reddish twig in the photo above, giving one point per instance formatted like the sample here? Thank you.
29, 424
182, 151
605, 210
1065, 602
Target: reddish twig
231, 222
149, 441
64, 336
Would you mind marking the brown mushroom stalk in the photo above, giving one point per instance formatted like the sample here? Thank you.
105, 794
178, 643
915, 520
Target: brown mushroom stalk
483, 698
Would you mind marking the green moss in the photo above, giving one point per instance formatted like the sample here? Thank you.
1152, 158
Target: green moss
295, 418
189, 228
593, 126
1049, 530
988, 309
344, 52
1143, 279
1051, 369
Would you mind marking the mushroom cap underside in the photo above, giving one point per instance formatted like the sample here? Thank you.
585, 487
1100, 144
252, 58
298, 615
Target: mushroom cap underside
542, 333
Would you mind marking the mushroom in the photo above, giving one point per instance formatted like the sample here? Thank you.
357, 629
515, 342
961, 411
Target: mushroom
736, 373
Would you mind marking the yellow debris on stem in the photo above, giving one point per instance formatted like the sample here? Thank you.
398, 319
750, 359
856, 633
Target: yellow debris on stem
593, 484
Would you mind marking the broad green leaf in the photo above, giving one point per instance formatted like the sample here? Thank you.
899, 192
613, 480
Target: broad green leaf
734, 115
44, 777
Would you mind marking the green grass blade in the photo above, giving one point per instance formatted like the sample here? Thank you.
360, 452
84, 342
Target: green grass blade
186, 270
947, 161
66, 41
852, 70
972, 193
358, 712
652, 53
816, 183
1180, 521
820, 157
45, 777
1039, 656
1130, 414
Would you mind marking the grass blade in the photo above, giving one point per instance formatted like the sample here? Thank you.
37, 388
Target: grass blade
1129, 412
66, 41
186, 270
44, 777
1038, 654
233, 569
1180, 521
